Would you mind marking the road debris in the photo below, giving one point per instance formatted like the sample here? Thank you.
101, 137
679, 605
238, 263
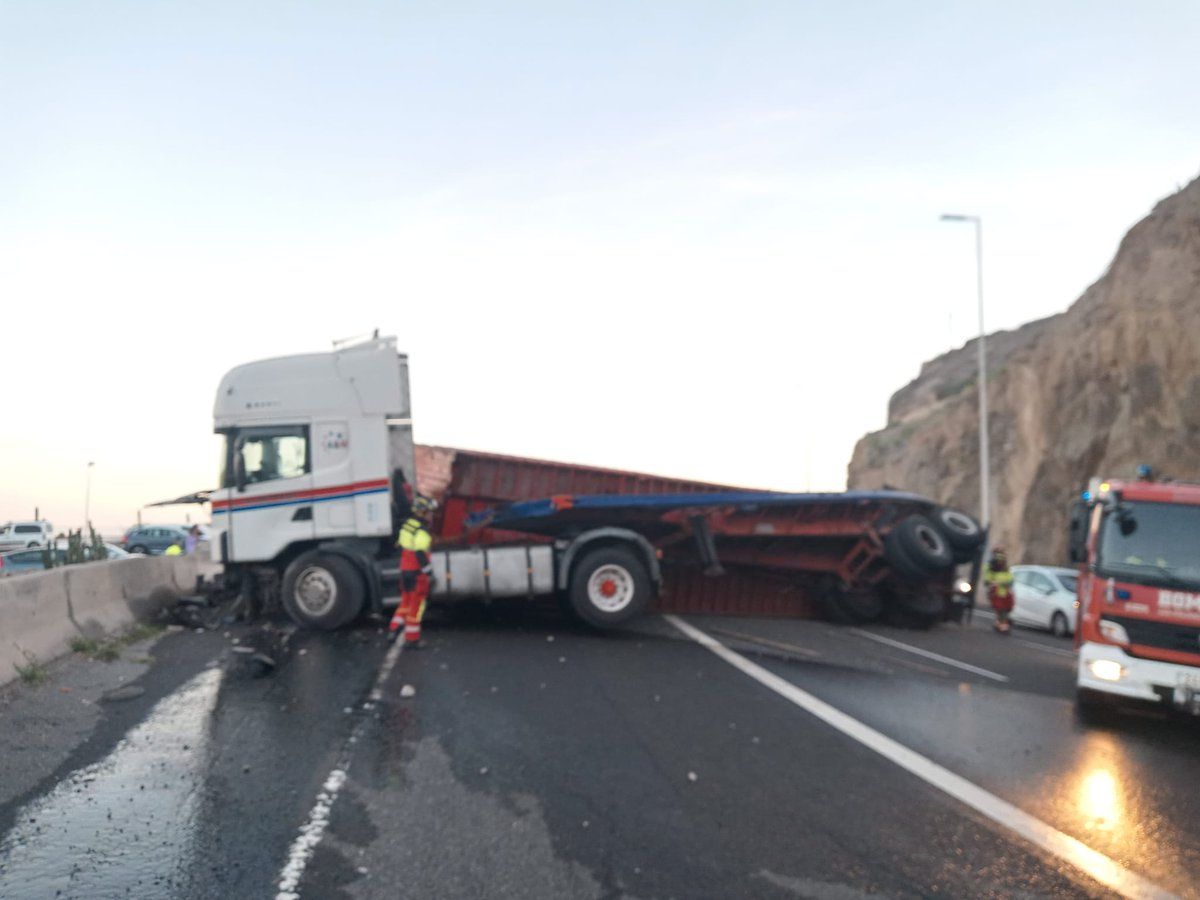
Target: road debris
408, 691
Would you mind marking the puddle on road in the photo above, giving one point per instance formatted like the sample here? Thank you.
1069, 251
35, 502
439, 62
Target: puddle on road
125, 826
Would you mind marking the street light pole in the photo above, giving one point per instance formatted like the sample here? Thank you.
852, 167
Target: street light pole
87, 497
984, 466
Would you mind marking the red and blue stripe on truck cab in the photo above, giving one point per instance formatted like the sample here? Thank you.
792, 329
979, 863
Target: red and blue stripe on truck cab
292, 498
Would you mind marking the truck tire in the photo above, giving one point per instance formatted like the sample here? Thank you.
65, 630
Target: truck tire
609, 586
921, 611
846, 608
962, 533
918, 548
322, 591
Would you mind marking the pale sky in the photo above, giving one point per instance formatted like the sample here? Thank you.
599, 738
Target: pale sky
693, 238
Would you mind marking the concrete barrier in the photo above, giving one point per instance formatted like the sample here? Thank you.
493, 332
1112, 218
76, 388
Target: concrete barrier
40, 612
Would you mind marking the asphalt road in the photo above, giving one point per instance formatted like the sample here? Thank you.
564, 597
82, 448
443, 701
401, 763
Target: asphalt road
534, 759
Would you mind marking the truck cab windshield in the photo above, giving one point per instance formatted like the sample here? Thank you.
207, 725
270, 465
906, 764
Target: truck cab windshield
1152, 543
265, 454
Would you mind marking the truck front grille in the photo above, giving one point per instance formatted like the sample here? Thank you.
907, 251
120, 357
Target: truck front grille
1161, 635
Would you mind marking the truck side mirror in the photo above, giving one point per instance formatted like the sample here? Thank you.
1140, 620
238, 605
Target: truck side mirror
1127, 523
239, 470
1077, 532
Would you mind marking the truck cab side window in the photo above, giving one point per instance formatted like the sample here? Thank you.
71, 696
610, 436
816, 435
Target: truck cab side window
269, 454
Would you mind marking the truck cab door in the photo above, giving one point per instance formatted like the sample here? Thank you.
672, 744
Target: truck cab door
266, 499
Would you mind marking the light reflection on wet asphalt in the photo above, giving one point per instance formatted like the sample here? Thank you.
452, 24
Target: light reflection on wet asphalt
157, 814
124, 826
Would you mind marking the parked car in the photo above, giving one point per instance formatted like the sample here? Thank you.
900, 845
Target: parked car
18, 561
152, 540
1045, 597
22, 535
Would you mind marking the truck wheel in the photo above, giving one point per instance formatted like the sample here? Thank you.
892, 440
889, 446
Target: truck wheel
322, 591
921, 611
609, 586
961, 531
898, 558
923, 544
851, 608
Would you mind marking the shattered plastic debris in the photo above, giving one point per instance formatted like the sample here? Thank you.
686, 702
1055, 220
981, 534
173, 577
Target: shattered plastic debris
562, 659
549, 639
483, 770
692, 776
408, 691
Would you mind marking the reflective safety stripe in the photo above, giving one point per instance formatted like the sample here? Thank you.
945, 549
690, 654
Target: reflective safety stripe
414, 536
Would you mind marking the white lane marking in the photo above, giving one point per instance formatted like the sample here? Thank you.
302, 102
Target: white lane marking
313, 829
1091, 862
1056, 650
928, 654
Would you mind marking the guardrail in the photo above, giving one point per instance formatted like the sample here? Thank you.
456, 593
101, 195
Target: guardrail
40, 612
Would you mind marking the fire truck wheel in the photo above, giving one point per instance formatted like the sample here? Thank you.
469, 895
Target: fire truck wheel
923, 544
961, 531
322, 591
609, 586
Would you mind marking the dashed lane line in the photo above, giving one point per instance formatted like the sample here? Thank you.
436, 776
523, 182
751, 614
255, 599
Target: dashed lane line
1075, 853
929, 654
313, 829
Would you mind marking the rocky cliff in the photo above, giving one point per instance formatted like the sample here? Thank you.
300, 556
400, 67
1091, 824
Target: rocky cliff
1112, 382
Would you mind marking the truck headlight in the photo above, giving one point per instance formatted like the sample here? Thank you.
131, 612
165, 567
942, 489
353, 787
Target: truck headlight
1111, 631
1106, 669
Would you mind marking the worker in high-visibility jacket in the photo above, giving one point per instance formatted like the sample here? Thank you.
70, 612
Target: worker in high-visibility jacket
999, 581
416, 569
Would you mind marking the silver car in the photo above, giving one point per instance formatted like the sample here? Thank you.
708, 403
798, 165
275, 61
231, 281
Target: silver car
1045, 597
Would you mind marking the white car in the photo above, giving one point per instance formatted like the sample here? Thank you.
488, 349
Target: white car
1045, 597
25, 535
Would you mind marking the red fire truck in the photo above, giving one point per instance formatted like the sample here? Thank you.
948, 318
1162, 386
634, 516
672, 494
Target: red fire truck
1138, 546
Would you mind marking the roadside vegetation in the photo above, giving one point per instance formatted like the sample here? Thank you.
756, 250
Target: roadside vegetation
33, 672
109, 649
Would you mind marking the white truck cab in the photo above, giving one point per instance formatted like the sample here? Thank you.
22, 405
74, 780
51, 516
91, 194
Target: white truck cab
317, 448
311, 446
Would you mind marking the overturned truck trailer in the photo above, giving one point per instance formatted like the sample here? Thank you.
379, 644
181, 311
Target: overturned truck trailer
319, 468
617, 543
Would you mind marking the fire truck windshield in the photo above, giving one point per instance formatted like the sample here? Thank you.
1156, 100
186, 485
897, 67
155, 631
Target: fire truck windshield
1151, 543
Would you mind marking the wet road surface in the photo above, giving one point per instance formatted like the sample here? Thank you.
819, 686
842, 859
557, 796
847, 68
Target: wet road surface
539, 760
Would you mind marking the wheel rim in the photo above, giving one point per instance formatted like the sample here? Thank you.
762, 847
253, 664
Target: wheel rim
960, 522
610, 588
316, 591
929, 539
